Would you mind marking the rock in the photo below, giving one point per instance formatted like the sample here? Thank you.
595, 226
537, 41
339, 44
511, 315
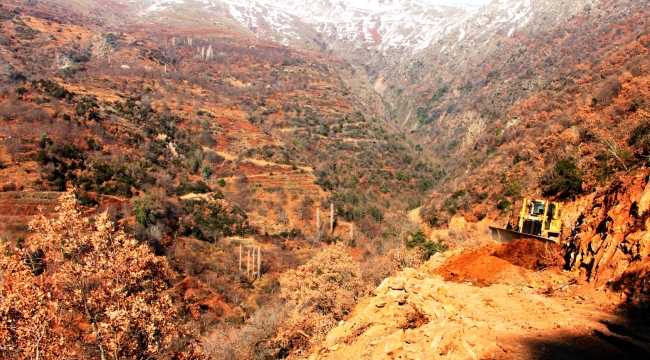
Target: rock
533, 284
409, 273
413, 288
337, 333
429, 308
396, 283
392, 283
333, 348
436, 340
644, 202
399, 296
383, 287
451, 309
376, 332
411, 336
413, 351
469, 350
389, 345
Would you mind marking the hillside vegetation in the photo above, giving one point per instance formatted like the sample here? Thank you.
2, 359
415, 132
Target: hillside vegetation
568, 101
209, 148
176, 193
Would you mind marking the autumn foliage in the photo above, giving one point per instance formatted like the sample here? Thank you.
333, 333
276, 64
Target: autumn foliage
78, 288
323, 291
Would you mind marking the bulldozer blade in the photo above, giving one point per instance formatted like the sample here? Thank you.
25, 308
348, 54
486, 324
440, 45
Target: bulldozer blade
503, 236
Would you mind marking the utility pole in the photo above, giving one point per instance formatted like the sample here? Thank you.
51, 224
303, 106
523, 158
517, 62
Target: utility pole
240, 257
331, 218
253, 261
318, 223
259, 262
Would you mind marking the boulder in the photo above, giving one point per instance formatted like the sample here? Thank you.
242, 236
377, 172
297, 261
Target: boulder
389, 345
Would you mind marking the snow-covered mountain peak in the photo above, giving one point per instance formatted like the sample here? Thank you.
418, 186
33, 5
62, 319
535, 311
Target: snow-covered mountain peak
346, 25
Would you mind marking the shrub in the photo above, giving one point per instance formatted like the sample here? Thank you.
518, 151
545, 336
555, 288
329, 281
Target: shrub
610, 90
9, 187
323, 292
198, 187
206, 172
459, 193
564, 179
641, 136
148, 209
503, 204
211, 220
196, 164
451, 206
16, 77
206, 139
428, 248
434, 221
513, 189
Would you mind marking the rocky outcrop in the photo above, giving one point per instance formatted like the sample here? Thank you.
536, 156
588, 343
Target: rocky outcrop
612, 245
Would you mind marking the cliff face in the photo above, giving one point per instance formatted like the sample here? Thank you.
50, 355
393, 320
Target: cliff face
612, 244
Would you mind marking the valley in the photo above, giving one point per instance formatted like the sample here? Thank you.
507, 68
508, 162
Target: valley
281, 179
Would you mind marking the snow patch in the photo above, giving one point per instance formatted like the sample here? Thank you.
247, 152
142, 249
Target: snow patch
159, 5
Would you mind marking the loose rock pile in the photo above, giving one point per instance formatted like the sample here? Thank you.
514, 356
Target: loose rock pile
417, 315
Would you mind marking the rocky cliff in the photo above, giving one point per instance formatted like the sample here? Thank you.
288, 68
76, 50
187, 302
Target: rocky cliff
612, 244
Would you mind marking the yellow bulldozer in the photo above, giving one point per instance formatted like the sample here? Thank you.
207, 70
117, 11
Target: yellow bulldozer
538, 219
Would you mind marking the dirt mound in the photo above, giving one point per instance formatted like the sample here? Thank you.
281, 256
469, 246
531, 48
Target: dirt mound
529, 254
482, 268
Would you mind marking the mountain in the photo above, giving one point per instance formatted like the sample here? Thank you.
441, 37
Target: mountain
213, 130
343, 27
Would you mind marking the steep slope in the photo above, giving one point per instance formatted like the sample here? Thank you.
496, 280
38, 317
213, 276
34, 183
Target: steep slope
558, 95
472, 80
271, 111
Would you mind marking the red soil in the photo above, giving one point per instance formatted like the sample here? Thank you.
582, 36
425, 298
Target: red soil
529, 254
482, 268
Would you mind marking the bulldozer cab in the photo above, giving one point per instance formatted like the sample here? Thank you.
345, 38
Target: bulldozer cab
540, 218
